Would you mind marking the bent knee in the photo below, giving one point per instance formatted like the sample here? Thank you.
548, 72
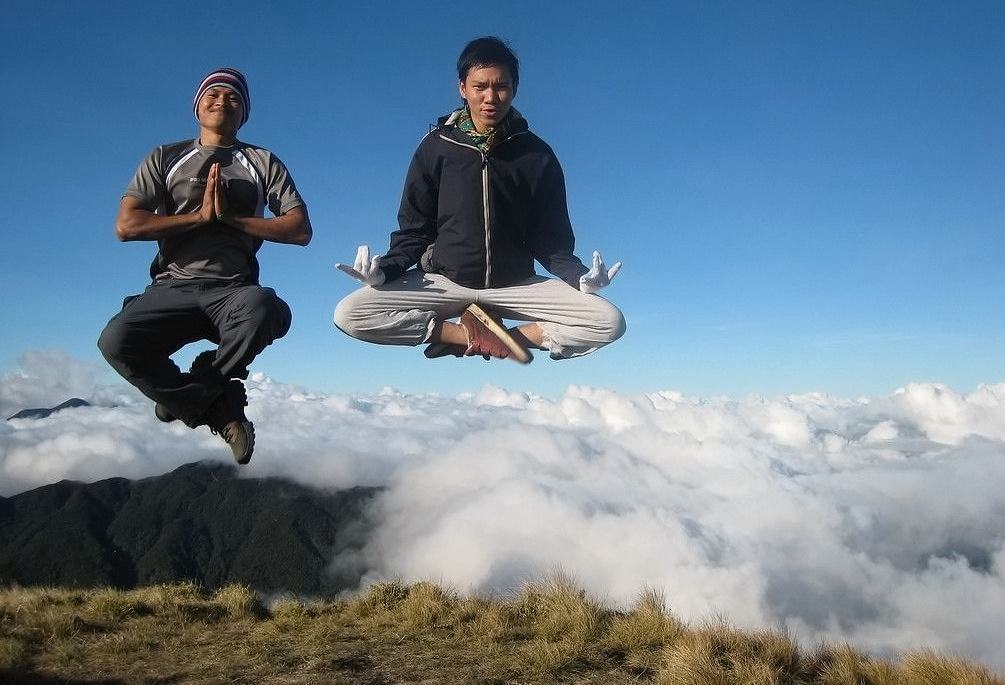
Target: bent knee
619, 326
282, 319
263, 309
610, 322
345, 318
111, 341
263, 303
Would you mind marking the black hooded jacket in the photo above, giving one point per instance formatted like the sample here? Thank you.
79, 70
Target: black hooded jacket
487, 216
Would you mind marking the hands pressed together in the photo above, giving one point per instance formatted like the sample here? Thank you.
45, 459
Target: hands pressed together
214, 199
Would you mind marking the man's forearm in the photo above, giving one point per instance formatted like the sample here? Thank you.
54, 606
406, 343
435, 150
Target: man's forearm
293, 227
138, 224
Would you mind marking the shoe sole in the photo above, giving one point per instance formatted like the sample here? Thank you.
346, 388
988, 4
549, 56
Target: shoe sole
442, 349
517, 351
246, 457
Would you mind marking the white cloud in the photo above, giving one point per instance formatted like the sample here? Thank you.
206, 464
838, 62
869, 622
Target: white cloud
876, 520
47, 378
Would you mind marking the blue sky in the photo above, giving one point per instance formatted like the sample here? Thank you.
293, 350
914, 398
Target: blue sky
806, 196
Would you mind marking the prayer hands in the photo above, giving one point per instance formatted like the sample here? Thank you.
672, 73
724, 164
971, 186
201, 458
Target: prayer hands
214, 198
219, 194
364, 269
207, 210
599, 276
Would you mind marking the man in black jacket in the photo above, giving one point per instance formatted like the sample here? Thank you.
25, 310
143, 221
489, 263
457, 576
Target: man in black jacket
483, 199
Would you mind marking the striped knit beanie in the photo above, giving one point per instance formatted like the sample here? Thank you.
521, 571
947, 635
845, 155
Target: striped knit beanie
226, 78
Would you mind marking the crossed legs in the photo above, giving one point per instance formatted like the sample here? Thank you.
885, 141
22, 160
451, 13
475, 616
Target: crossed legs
138, 341
417, 307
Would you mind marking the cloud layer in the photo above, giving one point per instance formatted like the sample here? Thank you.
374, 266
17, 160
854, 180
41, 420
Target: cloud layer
880, 521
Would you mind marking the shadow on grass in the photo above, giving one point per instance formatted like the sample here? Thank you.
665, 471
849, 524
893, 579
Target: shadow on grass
9, 677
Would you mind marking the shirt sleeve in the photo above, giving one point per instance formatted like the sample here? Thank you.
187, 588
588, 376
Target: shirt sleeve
147, 184
551, 237
416, 219
281, 193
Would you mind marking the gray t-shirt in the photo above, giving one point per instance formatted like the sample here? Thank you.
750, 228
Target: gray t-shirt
172, 180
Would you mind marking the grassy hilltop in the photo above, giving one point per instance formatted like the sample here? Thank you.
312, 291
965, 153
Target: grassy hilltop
393, 633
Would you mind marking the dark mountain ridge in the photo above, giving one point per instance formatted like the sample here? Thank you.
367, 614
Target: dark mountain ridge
200, 522
43, 412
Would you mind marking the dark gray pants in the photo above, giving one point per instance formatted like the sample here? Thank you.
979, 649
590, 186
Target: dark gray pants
138, 342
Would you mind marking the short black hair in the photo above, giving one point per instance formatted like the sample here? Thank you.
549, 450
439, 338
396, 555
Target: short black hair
488, 51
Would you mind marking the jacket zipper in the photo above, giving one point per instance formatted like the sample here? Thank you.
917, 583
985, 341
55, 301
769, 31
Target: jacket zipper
487, 222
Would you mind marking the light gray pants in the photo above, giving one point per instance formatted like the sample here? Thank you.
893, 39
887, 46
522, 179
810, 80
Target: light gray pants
405, 311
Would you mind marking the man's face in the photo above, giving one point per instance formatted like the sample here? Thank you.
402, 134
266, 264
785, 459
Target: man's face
489, 92
221, 110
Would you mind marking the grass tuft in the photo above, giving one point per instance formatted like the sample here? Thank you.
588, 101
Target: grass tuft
558, 610
113, 606
717, 653
240, 601
562, 626
425, 606
13, 653
842, 665
928, 668
639, 636
379, 598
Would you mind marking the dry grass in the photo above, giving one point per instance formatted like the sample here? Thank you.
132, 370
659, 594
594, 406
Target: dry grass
641, 635
551, 632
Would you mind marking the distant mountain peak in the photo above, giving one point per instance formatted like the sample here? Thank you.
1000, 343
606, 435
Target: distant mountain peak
42, 413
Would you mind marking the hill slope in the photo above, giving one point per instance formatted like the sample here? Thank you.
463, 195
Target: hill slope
199, 523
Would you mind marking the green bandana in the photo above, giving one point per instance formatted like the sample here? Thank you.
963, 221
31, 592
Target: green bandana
486, 139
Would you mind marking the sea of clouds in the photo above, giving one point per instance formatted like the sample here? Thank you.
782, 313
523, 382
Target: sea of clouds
876, 520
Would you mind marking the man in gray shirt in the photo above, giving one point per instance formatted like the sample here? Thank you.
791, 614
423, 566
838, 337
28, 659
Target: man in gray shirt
203, 201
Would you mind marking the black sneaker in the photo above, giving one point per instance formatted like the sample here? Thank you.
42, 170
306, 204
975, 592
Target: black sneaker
162, 413
202, 365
